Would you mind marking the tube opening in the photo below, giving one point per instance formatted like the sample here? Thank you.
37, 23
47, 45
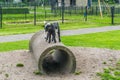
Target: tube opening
56, 61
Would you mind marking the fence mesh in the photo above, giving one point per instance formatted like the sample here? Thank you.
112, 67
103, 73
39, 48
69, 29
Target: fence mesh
44, 11
0, 17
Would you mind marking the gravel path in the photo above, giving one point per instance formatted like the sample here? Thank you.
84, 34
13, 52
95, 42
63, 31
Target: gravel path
19, 37
89, 61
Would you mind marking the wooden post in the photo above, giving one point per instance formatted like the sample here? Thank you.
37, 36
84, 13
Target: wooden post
107, 6
100, 9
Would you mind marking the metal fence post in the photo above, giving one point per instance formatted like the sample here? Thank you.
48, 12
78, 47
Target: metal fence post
112, 14
85, 14
0, 17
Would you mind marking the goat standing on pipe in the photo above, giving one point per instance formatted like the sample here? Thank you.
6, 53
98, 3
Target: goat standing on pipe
50, 29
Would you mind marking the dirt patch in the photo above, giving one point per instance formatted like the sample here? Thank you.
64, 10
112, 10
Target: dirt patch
89, 61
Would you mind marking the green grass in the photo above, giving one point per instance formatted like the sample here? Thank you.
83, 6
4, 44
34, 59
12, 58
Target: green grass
109, 39
21, 28
110, 73
37, 72
18, 45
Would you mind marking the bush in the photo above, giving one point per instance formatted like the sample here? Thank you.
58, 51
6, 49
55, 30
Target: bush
15, 10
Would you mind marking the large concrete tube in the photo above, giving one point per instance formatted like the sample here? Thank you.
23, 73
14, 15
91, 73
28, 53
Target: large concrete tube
51, 57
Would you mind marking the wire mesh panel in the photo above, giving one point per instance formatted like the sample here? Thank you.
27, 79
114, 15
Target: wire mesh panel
45, 11
117, 15
0, 17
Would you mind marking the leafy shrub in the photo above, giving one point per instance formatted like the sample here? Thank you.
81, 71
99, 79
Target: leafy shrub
15, 10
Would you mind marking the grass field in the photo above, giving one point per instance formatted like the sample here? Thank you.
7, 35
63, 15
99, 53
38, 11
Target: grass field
23, 28
9, 46
109, 40
20, 29
110, 73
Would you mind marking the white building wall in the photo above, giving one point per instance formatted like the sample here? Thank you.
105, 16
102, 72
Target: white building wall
81, 2
78, 2
67, 2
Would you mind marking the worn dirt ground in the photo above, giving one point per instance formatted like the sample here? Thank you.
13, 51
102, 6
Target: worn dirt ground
89, 61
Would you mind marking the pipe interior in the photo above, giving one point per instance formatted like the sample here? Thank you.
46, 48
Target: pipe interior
56, 61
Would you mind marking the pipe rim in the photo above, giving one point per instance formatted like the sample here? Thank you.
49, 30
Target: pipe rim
44, 53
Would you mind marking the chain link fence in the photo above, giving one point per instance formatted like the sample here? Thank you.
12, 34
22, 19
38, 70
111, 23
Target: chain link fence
40, 12
0, 17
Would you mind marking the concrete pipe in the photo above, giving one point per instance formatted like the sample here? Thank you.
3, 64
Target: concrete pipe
51, 57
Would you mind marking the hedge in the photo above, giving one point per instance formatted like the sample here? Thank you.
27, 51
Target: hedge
15, 10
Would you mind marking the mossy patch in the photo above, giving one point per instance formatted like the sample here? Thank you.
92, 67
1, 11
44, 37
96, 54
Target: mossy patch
37, 72
19, 65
